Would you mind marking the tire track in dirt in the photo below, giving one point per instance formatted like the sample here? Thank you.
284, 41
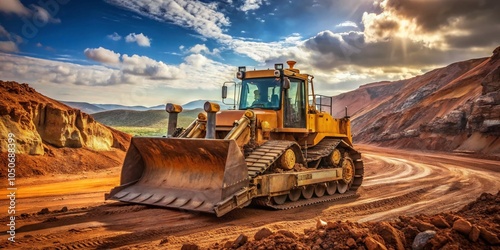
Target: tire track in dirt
396, 183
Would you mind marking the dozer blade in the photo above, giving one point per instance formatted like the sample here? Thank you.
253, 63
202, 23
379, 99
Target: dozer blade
192, 174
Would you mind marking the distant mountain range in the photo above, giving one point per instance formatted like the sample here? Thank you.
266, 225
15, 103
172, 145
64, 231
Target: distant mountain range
92, 108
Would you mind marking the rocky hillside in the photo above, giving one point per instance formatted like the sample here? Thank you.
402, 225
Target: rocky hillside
45, 127
475, 226
452, 108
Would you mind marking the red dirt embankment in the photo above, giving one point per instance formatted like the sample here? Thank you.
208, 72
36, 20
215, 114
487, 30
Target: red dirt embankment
475, 226
51, 137
454, 108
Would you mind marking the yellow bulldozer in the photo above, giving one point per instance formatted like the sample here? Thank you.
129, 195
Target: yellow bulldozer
278, 148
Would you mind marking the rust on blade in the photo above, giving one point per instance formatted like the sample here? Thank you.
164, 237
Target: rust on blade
193, 174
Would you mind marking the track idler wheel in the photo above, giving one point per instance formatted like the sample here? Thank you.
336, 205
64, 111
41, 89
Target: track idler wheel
347, 175
334, 158
287, 160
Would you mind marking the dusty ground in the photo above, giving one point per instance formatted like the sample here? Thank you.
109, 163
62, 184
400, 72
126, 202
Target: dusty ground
396, 183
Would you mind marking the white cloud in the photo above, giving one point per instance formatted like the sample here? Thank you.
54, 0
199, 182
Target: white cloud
251, 5
14, 6
102, 55
347, 24
43, 15
34, 70
202, 48
93, 83
133, 70
8, 46
199, 16
261, 51
3, 32
140, 39
198, 48
114, 36
145, 66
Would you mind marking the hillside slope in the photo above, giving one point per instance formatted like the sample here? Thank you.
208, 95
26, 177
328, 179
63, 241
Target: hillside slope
452, 108
52, 137
150, 118
85, 107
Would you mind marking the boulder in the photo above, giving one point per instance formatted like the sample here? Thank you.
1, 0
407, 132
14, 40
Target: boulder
372, 244
240, 241
439, 222
463, 226
489, 236
262, 233
474, 234
391, 235
422, 239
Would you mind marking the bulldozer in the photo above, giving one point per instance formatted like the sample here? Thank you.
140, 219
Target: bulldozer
279, 147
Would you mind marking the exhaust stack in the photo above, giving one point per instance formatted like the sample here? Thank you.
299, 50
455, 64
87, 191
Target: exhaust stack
173, 111
211, 109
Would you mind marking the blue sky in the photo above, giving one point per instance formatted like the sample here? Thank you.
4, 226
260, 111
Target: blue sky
148, 52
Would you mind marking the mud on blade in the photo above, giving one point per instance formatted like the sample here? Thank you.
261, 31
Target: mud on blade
192, 174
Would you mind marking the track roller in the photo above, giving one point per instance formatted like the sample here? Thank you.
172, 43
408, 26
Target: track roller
280, 199
331, 187
319, 190
294, 194
308, 192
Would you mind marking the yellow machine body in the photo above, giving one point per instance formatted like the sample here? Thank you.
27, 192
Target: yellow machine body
278, 146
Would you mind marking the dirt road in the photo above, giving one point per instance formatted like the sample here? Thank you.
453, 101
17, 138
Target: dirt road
396, 183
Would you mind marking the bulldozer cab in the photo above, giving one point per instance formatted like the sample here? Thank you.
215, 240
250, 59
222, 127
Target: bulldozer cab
264, 93
269, 93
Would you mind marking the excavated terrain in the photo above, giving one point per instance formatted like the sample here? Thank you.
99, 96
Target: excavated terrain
52, 138
66, 162
454, 108
404, 193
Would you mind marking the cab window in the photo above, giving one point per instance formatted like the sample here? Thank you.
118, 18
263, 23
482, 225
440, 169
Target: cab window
295, 105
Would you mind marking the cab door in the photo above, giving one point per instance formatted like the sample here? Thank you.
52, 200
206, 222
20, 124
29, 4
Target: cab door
295, 105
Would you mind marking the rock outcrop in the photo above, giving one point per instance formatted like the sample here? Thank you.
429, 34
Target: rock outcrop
452, 108
476, 226
38, 122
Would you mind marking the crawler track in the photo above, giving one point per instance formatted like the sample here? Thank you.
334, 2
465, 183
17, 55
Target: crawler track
264, 156
305, 202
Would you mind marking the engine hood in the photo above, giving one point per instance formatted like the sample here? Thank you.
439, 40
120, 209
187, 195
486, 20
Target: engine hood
228, 117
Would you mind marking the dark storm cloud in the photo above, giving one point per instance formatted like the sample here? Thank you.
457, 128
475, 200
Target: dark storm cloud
338, 44
488, 36
384, 28
434, 14
405, 53
329, 49
459, 26
476, 22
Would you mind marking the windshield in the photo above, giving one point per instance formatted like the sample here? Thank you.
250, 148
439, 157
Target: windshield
261, 93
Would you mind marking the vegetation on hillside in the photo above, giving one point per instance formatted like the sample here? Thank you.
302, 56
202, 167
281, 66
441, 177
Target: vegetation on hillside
143, 123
